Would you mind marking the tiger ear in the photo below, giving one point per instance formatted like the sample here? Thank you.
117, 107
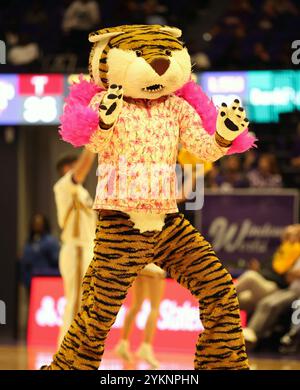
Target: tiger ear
100, 39
101, 35
174, 31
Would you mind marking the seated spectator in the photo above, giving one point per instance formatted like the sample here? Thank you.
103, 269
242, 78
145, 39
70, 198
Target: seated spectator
24, 52
130, 12
236, 49
290, 342
81, 15
201, 61
211, 177
260, 57
80, 18
231, 175
250, 158
35, 17
266, 175
286, 262
238, 11
257, 283
281, 7
154, 12
40, 255
295, 160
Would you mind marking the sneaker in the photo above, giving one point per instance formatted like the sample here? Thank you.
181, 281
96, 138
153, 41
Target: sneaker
289, 343
250, 335
145, 352
250, 339
122, 349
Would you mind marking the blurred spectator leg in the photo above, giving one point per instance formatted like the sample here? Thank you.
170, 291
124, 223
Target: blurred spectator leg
290, 342
267, 313
251, 288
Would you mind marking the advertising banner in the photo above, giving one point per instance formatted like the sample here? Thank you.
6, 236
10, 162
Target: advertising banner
178, 324
247, 224
178, 319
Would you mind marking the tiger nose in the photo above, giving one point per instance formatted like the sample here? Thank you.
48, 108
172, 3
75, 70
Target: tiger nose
160, 65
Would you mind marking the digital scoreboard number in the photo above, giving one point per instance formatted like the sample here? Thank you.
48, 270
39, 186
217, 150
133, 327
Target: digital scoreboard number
41, 98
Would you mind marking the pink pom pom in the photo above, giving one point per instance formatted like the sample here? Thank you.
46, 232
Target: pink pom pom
195, 96
78, 124
82, 92
79, 121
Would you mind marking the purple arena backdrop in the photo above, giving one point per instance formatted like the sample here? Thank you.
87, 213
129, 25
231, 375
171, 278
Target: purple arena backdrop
246, 224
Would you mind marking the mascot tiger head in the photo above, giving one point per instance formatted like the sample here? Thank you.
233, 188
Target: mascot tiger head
149, 61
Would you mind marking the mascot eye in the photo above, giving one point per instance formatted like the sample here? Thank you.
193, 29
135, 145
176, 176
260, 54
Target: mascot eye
168, 52
138, 53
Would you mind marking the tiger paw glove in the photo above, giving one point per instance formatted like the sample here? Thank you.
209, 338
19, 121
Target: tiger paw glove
231, 122
110, 106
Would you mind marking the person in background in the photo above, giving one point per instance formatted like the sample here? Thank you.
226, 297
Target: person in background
260, 57
286, 262
266, 175
231, 175
24, 52
210, 179
256, 283
77, 221
154, 12
130, 12
250, 158
295, 153
40, 255
79, 18
290, 342
150, 284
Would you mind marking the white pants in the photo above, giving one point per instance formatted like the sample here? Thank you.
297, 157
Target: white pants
251, 287
73, 264
269, 310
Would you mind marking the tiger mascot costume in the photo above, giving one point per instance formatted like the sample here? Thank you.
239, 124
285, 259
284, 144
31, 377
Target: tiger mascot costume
131, 116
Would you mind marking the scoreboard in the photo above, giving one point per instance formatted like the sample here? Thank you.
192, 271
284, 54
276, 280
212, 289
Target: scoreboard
31, 99
36, 99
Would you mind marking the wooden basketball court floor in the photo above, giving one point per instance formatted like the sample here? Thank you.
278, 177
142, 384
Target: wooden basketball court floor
19, 357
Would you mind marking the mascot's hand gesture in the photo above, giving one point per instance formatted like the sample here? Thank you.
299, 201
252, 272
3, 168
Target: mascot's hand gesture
231, 122
111, 106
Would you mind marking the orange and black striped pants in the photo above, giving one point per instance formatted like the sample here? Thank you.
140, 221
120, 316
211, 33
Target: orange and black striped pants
120, 253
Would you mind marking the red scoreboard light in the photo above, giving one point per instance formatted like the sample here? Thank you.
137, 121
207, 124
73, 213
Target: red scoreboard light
41, 84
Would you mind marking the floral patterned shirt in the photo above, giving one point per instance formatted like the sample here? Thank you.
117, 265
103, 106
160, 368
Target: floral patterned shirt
137, 156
